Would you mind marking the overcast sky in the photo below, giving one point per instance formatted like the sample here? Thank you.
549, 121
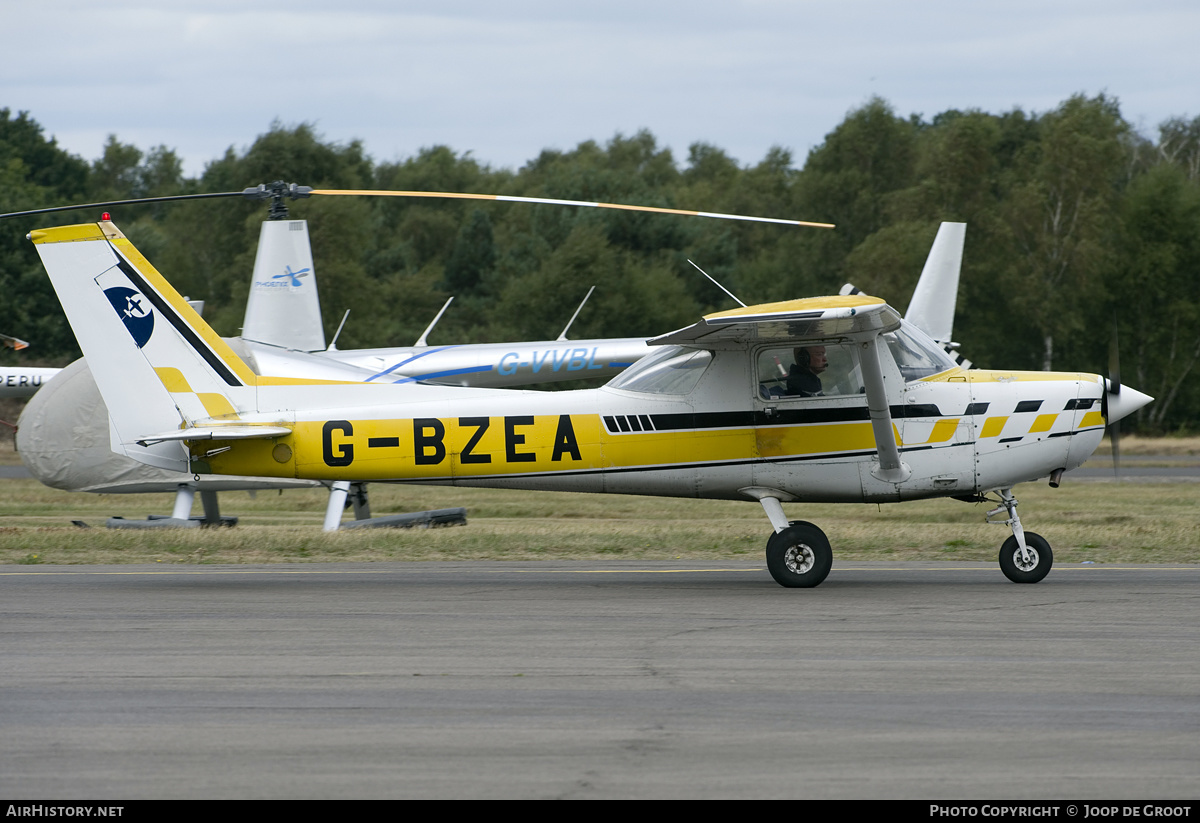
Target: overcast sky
507, 78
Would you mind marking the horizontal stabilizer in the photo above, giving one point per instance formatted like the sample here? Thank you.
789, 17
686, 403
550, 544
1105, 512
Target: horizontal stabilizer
216, 433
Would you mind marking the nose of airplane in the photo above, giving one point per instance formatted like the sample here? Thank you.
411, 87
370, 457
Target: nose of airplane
1124, 402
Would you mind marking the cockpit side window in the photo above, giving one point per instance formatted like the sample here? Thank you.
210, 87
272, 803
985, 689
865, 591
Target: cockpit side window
812, 370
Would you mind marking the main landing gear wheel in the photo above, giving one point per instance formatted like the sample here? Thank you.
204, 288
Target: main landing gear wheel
799, 557
1026, 570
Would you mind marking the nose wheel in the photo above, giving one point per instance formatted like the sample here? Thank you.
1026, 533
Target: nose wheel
1025, 557
1029, 566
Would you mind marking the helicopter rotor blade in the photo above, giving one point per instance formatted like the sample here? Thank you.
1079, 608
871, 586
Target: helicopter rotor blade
279, 190
506, 198
135, 202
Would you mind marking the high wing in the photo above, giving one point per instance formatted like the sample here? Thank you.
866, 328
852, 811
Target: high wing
813, 318
853, 318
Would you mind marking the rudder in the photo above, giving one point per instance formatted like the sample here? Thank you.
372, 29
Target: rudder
159, 367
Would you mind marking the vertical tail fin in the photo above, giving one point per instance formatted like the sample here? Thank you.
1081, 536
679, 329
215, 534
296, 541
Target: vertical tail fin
283, 308
932, 306
158, 366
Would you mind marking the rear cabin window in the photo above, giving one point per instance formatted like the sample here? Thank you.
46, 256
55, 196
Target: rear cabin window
673, 370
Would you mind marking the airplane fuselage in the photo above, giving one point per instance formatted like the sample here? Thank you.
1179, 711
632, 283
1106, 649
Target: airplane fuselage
960, 432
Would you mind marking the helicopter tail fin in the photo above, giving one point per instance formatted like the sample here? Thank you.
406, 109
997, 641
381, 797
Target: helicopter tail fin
283, 308
159, 367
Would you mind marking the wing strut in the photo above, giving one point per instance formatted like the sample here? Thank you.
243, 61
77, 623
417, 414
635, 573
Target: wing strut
891, 468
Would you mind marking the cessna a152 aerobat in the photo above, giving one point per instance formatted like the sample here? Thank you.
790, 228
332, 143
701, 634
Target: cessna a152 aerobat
724, 408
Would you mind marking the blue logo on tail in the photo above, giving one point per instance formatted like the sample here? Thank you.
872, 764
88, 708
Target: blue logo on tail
293, 275
134, 311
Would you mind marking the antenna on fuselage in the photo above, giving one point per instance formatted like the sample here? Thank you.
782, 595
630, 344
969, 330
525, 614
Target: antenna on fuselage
562, 337
421, 341
333, 342
719, 286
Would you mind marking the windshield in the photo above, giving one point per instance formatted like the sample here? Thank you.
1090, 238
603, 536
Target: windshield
673, 370
916, 354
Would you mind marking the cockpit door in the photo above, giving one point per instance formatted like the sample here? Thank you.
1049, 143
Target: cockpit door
811, 422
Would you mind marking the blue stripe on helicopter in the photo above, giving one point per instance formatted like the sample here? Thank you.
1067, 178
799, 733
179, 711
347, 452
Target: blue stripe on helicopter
391, 369
435, 375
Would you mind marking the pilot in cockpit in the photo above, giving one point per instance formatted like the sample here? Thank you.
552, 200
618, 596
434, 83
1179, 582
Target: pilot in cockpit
803, 379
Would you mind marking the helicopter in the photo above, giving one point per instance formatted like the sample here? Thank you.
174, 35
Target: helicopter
63, 435
710, 414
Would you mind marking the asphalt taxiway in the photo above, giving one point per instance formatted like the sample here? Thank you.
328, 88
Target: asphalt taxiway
580, 680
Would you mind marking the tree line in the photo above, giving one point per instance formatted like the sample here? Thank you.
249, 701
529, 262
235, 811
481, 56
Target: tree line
1079, 228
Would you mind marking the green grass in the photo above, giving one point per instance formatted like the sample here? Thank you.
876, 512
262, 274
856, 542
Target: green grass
1099, 522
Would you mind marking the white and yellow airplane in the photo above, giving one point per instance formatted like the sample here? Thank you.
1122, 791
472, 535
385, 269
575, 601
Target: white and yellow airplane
716, 412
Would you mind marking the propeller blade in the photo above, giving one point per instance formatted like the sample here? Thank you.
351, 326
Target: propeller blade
506, 198
1114, 437
1114, 388
1114, 364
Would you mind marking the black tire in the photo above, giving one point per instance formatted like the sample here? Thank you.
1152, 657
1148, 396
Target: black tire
799, 557
1041, 555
